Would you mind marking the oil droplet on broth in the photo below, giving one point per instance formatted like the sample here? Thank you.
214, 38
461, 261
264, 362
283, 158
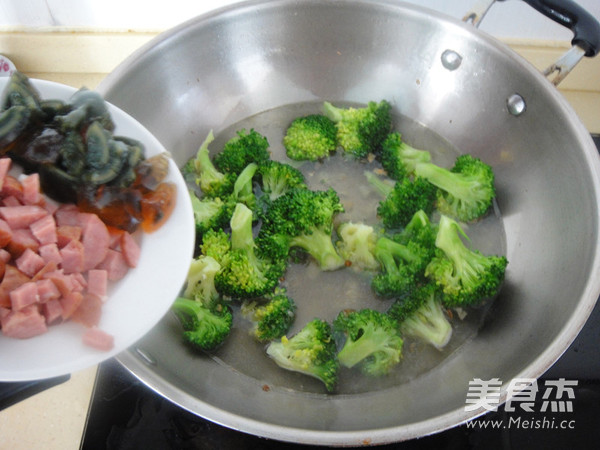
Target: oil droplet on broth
325, 294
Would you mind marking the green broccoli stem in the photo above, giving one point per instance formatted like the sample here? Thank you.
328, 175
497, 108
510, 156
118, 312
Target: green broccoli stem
320, 246
412, 156
429, 323
243, 184
383, 187
333, 113
202, 161
388, 251
371, 341
241, 230
187, 311
448, 240
445, 179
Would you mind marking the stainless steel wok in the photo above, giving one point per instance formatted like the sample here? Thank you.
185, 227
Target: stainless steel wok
458, 82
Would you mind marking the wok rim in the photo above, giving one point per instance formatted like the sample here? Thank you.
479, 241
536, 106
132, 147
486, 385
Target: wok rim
536, 368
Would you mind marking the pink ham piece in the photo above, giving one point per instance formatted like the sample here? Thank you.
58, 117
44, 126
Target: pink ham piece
47, 290
30, 262
114, 264
96, 338
95, 239
67, 233
73, 257
31, 189
5, 233
24, 324
52, 311
97, 283
5, 164
50, 253
23, 296
67, 215
22, 216
21, 240
130, 249
44, 230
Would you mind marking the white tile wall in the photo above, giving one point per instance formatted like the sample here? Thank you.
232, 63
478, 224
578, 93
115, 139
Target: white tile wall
508, 19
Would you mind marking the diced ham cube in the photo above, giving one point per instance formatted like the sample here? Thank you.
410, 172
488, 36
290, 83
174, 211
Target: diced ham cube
50, 266
11, 187
5, 255
97, 283
114, 264
96, 338
70, 303
115, 238
52, 310
67, 215
89, 311
2, 268
30, 262
24, 295
11, 201
5, 233
22, 239
95, 238
4, 312
31, 189
130, 249
67, 233
22, 216
5, 164
78, 281
50, 253
13, 278
47, 290
24, 324
63, 282
72, 257
44, 230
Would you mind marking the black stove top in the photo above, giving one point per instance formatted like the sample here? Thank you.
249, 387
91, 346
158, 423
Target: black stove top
125, 414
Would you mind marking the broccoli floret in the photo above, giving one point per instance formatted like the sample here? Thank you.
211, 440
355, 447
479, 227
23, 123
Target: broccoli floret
402, 266
209, 213
310, 138
205, 318
212, 182
276, 178
243, 274
357, 245
272, 317
361, 131
200, 280
402, 199
204, 328
216, 244
419, 229
465, 276
244, 148
311, 351
372, 340
421, 315
466, 191
303, 218
399, 159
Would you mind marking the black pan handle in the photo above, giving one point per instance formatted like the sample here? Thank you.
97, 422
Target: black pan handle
569, 14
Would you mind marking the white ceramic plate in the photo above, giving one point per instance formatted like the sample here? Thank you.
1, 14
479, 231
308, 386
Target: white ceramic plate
136, 303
